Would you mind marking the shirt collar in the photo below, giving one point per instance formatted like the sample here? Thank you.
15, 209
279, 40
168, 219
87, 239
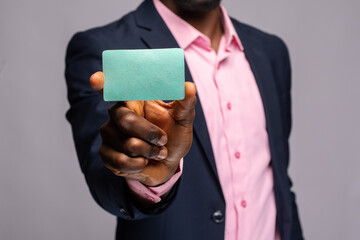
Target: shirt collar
178, 27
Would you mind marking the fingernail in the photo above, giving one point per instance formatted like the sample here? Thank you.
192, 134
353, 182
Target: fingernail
162, 154
162, 141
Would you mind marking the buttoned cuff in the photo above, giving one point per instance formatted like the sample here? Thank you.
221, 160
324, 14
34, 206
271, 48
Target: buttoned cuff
154, 194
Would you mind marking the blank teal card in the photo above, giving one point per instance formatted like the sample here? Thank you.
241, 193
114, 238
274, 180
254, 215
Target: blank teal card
144, 74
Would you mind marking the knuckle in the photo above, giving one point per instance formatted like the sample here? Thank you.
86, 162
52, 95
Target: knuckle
113, 110
133, 145
120, 161
138, 165
127, 120
143, 163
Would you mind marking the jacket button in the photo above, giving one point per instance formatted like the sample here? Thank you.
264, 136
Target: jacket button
218, 216
123, 211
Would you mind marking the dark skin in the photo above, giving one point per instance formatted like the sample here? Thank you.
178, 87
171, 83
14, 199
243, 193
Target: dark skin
145, 140
206, 22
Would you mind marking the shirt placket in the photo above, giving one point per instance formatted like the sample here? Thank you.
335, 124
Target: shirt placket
226, 107
230, 103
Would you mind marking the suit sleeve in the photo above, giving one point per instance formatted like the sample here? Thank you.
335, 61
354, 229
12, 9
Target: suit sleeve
87, 113
296, 230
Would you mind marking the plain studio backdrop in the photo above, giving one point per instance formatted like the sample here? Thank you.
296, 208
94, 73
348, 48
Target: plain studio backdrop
43, 194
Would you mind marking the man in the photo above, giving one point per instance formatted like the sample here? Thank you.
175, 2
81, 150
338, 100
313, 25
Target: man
142, 161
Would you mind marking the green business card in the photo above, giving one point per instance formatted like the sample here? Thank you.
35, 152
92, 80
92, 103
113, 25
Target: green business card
144, 74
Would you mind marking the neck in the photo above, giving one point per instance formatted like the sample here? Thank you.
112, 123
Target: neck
208, 23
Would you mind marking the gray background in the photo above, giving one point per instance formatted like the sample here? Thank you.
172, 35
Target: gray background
43, 194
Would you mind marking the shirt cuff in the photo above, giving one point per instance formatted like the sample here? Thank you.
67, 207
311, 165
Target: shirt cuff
154, 194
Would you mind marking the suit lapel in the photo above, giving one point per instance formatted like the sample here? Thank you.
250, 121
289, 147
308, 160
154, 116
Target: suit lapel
262, 70
155, 34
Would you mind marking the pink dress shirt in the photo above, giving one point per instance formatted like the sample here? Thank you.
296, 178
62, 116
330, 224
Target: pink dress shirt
235, 120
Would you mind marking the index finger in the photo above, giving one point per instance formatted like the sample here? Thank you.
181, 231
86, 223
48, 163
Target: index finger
97, 81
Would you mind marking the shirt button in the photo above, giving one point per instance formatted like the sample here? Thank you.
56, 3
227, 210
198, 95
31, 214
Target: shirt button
228, 105
237, 155
243, 203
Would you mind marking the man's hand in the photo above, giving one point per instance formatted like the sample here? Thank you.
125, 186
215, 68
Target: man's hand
145, 140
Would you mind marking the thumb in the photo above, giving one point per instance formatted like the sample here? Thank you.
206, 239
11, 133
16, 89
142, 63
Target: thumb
183, 111
97, 81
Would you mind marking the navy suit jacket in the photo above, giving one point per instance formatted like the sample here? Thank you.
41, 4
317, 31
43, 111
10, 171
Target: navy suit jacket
195, 207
